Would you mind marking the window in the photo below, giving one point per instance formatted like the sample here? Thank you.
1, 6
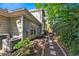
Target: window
33, 32
26, 33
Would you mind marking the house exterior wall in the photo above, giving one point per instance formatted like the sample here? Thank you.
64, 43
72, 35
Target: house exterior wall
30, 29
38, 14
26, 27
11, 23
16, 25
4, 25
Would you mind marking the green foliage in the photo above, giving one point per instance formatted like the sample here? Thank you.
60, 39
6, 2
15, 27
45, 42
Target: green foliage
23, 48
64, 18
24, 42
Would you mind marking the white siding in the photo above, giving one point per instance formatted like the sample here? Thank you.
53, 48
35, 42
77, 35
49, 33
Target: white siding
13, 25
3, 25
38, 15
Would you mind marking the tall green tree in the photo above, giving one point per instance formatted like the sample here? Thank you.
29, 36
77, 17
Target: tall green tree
65, 19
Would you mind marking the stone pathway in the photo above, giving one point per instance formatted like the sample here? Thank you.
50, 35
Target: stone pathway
52, 49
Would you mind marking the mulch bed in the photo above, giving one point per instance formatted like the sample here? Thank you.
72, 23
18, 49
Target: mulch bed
36, 50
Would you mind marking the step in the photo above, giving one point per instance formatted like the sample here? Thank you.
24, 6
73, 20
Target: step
51, 47
50, 43
52, 52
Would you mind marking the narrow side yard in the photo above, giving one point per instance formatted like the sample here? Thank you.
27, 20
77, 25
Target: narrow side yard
43, 46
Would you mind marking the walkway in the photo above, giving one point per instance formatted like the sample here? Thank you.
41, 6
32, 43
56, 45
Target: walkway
53, 49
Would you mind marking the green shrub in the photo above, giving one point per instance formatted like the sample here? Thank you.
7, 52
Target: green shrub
23, 48
24, 42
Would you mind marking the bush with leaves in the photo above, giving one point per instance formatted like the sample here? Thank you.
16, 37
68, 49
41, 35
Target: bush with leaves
24, 42
64, 18
23, 47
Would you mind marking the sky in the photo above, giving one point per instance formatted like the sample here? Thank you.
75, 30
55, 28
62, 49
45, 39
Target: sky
13, 6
